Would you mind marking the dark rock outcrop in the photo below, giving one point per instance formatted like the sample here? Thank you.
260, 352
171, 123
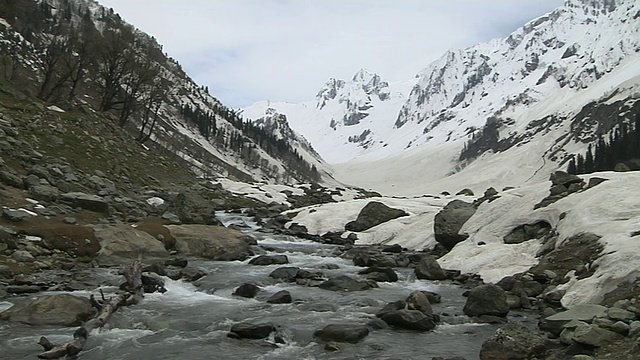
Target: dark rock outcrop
247, 290
251, 331
448, 222
281, 297
269, 260
410, 320
346, 283
373, 214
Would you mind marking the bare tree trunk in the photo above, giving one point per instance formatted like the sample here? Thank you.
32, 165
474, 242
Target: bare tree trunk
134, 280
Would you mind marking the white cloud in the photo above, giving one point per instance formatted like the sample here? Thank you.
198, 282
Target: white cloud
249, 50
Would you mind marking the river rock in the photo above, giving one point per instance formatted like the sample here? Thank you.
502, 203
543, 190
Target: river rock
190, 273
55, 310
251, 331
346, 283
285, 273
620, 314
281, 297
582, 312
342, 333
382, 274
120, 244
514, 342
448, 222
246, 290
269, 260
594, 335
429, 269
486, 300
210, 242
417, 300
373, 214
432, 297
410, 320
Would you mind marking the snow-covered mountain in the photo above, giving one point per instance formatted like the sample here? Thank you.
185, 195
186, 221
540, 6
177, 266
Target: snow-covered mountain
533, 94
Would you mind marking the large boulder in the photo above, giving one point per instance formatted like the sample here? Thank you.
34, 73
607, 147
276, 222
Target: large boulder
285, 273
429, 269
55, 310
346, 283
373, 214
588, 334
210, 242
418, 300
382, 274
342, 333
281, 297
269, 260
120, 244
514, 342
448, 222
247, 290
486, 300
251, 331
409, 319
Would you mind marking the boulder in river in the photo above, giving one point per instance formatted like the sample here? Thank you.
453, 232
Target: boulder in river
346, 283
418, 300
486, 300
251, 331
429, 269
210, 242
55, 310
410, 320
246, 290
285, 273
281, 297
269, 260
342, 333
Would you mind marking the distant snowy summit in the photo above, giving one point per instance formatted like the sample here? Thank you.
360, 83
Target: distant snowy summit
472, 104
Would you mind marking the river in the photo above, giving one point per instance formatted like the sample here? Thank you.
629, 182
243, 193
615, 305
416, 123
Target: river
190, 321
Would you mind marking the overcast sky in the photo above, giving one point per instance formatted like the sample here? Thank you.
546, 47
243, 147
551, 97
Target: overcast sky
285, 50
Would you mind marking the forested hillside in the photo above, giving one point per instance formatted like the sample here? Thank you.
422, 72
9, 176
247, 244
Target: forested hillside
76, 53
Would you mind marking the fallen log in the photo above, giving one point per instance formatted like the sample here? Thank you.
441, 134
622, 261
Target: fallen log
132, 274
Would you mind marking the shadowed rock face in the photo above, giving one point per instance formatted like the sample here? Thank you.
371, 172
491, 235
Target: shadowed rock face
373, 214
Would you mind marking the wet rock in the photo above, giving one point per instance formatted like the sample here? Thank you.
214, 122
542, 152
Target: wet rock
448, 222
153, 284
342, 333
382, 274
432, 297
417, 300
410, 320
486, 300
269, 260
429, 269
191, 273
514, 342
286, 273
373, 214
346, 283
251, 331
55, 310
210, 242
319, 307
281, 297
395, 248
392, 306
247, 290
